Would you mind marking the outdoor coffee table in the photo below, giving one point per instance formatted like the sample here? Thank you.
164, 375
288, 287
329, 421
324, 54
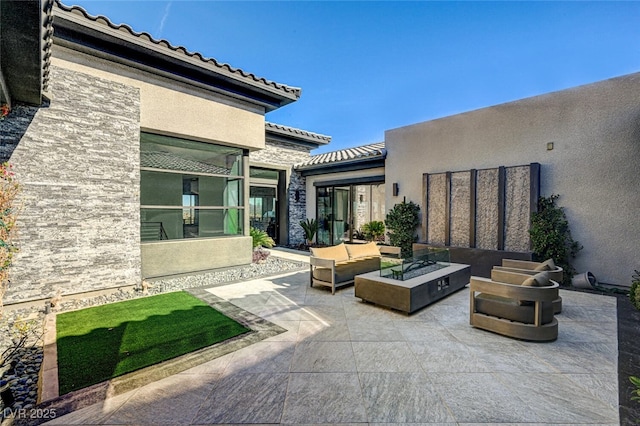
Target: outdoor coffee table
411, 284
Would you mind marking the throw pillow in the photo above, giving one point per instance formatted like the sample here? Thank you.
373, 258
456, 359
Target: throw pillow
540, 279
547, 265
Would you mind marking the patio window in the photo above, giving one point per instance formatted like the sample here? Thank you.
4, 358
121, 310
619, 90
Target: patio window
189, 189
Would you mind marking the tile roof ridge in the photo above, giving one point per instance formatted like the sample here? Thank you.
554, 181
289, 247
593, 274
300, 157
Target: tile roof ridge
101, 19
361, 152
295, 131
47, 41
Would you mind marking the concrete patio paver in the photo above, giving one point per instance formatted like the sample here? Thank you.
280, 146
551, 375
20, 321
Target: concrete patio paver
342, 361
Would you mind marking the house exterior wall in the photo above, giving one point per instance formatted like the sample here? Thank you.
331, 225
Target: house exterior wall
182, 256
312, 181
171, 108
284, 155
78, 163
174, 109
595, 130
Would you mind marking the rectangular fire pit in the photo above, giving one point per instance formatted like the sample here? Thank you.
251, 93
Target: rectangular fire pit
414, 293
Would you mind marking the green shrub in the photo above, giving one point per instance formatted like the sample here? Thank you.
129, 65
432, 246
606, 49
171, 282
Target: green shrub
261, 238
373, 231
634, 292
636, 392
551, 237
310, 227
402, 221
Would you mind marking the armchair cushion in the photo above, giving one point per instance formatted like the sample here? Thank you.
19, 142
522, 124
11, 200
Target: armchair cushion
512, 310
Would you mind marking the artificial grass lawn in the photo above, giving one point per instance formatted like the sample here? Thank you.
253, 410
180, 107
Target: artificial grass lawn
99, 343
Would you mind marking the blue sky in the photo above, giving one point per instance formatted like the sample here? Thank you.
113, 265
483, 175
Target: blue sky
365, 67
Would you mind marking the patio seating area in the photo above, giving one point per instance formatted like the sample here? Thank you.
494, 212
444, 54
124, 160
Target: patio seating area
345, 361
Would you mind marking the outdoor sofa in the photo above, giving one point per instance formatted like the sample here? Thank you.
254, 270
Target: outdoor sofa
521, 309
337, 266
554, 272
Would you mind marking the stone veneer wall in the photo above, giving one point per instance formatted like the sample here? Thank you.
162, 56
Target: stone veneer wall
288, 154
79, 164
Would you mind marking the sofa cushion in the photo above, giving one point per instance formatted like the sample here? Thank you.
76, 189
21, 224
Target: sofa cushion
547, 265
362, 250
501, 307
337, 253
348, 269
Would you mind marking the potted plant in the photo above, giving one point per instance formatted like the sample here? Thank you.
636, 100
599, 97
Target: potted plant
373, 231
402, 220
310, 227
260, 239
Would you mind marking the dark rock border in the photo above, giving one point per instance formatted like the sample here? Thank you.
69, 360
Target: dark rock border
628, 359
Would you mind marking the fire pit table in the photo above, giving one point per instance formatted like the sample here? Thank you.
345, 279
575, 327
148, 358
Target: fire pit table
412, 283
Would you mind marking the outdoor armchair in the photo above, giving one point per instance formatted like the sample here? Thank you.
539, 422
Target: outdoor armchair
522, 309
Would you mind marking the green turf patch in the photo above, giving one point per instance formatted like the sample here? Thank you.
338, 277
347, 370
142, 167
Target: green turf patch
99, 343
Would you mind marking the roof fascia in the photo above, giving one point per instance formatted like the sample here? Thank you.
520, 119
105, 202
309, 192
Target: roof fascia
275, 130
353, 181
271, 137
82, 34
348, 166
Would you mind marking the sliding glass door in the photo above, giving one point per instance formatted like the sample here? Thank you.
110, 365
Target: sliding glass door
342, 210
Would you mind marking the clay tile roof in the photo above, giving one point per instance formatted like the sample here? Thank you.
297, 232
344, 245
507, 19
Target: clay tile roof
297, 133
47, 41
209, 63
365, 152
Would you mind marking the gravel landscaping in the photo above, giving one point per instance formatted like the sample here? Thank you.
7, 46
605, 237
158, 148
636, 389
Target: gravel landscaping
23, 379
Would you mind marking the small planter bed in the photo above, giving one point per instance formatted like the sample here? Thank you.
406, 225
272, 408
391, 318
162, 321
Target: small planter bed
103, 342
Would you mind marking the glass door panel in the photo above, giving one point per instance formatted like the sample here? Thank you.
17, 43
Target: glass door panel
325, 215
342, 218
361, 208
262, 209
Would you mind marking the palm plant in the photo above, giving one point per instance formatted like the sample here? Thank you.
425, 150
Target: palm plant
374, 230
261, 238
310, 227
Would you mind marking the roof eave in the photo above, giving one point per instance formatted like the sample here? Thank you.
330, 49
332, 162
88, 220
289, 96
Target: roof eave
282, 133
79, 32
21, 50
363, 163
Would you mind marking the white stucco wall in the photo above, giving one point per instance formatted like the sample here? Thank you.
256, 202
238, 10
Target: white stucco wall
595, 130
